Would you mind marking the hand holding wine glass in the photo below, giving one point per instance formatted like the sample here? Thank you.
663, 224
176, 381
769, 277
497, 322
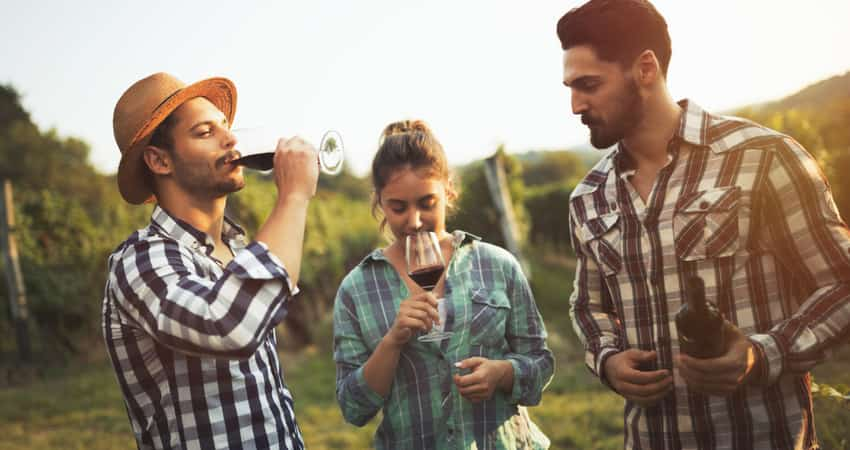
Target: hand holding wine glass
425, 266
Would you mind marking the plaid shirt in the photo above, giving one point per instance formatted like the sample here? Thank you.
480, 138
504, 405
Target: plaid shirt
492, 313
193, 343
748, 210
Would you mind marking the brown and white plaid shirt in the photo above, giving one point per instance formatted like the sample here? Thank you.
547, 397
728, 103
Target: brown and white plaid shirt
749, 211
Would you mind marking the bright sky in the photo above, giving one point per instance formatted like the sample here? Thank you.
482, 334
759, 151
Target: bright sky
480, 72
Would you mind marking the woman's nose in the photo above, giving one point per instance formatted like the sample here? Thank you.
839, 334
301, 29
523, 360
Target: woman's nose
414, 220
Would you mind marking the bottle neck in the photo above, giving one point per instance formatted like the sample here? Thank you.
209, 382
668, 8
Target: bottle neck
696, 295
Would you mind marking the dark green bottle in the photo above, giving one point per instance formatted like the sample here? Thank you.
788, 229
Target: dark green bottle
699, 323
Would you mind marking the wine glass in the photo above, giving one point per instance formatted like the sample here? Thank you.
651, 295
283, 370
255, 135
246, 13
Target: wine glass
425, 266
257, 148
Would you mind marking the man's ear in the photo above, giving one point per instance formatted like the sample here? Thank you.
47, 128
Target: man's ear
646, 70
158, 160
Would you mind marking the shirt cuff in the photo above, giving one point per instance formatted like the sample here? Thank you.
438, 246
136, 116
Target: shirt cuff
598, 367
364, 395
770, 352
516, 389
256, 262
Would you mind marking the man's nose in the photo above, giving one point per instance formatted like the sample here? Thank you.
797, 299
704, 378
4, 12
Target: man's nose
579, 103
229, 139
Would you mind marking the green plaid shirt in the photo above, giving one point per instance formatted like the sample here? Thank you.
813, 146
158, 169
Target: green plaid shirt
490, 309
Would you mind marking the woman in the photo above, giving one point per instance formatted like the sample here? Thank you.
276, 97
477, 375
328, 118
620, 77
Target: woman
465, 391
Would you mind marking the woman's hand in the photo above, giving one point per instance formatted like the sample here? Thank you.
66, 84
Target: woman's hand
486, 376
416, 313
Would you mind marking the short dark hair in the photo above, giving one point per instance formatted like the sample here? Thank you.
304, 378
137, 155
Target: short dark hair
161, 136
617, 30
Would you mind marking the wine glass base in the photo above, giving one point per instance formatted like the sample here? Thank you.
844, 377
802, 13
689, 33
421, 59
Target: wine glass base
435, 336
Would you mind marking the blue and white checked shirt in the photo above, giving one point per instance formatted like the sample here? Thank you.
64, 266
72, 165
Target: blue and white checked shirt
193, 343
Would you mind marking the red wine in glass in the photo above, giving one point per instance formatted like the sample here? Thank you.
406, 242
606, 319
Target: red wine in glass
427, 277
425, 266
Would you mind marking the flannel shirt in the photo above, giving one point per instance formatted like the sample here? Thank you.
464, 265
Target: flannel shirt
192, 342
748, 210
490, 309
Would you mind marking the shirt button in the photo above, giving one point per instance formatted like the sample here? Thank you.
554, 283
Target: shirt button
613, 206
704, 205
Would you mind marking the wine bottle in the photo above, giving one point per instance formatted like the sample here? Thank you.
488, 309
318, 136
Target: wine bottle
699, 323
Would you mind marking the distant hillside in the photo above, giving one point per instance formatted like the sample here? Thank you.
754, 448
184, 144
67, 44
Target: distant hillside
586, 153
811, 97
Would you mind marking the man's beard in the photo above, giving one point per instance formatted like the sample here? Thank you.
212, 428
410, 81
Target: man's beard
202, 183
628, 115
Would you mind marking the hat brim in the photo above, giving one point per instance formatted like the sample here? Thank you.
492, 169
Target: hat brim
133, 173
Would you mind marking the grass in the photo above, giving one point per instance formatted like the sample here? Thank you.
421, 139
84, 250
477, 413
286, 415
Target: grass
81, 407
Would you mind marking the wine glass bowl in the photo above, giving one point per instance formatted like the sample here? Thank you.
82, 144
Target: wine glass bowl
425, 266
256, 145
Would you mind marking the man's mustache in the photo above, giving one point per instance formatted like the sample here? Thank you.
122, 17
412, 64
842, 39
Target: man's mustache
227, 158
587, 120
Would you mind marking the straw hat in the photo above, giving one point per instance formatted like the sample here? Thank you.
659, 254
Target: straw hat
142, 108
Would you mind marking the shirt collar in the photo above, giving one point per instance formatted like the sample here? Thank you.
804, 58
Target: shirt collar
188, 235
693, 129
460, 238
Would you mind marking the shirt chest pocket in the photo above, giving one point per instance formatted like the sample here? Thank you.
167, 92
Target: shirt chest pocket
602, 237
705, 224
489, 318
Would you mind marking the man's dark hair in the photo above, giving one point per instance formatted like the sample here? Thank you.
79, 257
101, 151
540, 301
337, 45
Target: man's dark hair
161, 136
617, 30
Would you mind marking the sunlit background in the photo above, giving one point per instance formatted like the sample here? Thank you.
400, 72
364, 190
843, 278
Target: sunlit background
482, 73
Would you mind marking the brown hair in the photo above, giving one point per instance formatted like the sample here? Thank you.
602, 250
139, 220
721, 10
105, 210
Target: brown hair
617, 30
409, 144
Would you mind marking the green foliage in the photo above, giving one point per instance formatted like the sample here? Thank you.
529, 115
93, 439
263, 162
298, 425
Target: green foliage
548, 210
68, 219
475, 211
557, 167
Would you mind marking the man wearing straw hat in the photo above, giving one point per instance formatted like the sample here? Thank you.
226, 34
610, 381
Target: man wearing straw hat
190, 304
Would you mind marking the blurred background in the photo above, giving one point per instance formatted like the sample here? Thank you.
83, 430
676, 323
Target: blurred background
485, 75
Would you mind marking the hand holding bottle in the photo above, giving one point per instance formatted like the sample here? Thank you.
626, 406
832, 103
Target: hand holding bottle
725, 374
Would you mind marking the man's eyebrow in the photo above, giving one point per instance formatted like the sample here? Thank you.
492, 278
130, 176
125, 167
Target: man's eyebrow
581, 80
208, 122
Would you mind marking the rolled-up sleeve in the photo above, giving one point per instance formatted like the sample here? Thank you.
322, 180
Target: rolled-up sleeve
157, 285
532, 361
591, 312
357, 401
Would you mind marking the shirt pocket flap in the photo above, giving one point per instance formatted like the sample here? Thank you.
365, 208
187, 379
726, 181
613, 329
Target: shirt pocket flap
494, 299
711, 200
596, 227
